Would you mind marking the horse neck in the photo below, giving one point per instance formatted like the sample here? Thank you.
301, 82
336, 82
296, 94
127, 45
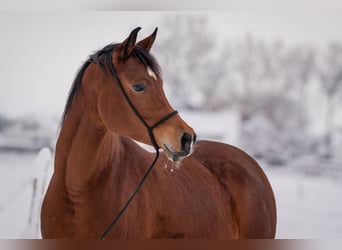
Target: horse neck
84, 150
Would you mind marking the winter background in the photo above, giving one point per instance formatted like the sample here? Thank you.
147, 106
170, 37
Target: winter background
267, 81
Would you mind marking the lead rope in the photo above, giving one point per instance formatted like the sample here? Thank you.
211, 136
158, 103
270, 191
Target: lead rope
131, 197
153, 141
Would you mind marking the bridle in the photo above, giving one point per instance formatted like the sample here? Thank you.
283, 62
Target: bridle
150, 133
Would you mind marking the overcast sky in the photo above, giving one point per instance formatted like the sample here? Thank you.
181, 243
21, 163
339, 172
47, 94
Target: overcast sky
42, 50
119, 5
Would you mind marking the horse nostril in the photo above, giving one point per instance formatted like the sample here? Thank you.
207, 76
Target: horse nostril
186, 142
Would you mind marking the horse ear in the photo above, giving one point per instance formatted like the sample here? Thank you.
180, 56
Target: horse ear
127, 46
148, 41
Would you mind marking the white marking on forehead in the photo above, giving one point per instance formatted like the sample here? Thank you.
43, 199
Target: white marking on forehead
151, 73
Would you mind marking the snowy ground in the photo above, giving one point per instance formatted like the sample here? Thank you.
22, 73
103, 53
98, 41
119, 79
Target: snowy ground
23, 179
309, 206
15, 193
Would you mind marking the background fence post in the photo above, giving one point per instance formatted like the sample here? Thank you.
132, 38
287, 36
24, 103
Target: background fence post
41, 171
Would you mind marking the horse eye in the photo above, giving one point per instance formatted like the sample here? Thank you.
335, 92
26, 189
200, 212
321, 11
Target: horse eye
138, 87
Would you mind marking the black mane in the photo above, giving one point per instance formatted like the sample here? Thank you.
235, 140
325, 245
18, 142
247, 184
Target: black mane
102, 58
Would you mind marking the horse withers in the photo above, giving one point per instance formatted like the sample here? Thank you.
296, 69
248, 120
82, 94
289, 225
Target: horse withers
218, 191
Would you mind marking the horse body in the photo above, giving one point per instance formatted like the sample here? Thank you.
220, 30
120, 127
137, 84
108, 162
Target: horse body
216, 192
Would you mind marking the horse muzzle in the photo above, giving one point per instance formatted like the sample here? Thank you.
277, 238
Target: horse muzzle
187, 143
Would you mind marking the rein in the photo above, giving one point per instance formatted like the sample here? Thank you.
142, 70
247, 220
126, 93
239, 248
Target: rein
152, 138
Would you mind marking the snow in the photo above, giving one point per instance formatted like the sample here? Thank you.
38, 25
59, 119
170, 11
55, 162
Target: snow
23, 181
308, 207
309, 204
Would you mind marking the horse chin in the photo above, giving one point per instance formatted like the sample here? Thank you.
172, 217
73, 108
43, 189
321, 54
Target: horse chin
172, 155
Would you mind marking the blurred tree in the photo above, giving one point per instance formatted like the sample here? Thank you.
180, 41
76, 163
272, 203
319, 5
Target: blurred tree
4, 122
300, 66
271, 76
186, 52
330, 72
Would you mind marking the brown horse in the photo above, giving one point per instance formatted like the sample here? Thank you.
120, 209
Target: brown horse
217, 191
